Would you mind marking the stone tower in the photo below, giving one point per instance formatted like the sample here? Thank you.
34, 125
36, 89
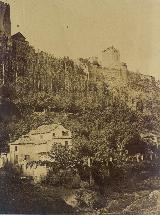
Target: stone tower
5, 35
111, 58
5, 22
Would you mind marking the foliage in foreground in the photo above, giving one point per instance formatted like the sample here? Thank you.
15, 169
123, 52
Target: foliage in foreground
19, 197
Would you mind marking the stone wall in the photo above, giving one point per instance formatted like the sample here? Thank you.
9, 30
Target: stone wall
38, 172
5, 22
111, 58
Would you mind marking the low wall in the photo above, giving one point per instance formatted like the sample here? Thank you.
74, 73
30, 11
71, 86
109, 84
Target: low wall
38, 172
4, 158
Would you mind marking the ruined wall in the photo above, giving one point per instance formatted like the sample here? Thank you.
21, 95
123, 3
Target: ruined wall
111, 58
5, 34
36, 171
5, 22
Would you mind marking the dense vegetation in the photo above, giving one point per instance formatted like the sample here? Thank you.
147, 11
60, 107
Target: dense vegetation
23, 197
105, 128
42, 89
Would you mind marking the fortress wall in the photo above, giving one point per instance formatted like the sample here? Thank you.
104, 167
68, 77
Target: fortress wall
5, 22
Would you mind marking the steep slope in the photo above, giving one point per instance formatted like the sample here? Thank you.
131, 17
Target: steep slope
140, 92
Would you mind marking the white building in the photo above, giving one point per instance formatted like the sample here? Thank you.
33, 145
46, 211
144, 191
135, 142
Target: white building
33, 146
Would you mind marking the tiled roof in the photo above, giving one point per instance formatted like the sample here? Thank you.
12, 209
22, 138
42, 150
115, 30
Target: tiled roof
23, 140
44, 129
27, 139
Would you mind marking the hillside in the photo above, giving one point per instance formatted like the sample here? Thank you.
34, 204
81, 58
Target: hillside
78, 136
130, 87
107, 108
139, 92
79, 87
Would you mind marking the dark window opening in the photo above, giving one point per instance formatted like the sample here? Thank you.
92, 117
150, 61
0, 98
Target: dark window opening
16, 148
26, 157
65, 133
66, 143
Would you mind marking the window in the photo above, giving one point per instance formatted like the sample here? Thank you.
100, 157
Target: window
41, 136
16, 148
65, 133
26, 157
25, 136
54, 134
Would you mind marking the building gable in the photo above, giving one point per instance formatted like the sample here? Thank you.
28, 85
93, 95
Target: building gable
18, 36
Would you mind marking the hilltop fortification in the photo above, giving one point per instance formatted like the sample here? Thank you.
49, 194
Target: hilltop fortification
38, 73
111, 58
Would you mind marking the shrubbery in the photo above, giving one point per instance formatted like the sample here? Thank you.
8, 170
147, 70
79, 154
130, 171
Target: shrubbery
66, 178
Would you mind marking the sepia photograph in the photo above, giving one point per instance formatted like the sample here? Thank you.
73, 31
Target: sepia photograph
80, 107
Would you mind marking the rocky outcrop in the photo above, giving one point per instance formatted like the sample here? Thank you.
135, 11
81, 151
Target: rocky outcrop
85, 199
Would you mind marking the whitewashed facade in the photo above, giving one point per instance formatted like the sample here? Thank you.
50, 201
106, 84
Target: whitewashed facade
34, 145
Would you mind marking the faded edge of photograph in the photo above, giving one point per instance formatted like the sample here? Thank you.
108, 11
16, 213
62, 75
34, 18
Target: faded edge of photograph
80, 107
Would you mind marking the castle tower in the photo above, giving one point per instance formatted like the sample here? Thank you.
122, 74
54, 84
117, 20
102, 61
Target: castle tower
5, 22
111, 58
5, 35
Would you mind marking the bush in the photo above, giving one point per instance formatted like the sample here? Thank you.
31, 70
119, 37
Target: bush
88, 198
12, 173
66, 178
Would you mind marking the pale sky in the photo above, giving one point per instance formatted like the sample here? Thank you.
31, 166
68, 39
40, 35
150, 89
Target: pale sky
83, 28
